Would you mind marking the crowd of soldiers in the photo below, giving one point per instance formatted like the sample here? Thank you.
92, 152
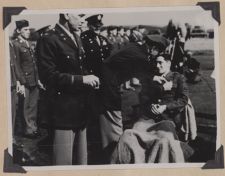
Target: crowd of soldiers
66, 63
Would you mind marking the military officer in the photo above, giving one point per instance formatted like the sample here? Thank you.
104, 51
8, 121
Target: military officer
28, 77
97, 47
67, 89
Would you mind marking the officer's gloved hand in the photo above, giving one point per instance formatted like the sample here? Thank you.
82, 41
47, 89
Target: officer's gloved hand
91, 80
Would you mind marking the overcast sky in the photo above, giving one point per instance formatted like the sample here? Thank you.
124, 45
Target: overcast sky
146, 16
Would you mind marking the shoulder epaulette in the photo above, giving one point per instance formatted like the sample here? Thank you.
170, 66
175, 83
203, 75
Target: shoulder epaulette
49, 32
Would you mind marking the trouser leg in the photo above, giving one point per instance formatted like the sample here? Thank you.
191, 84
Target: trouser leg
80, 147
13, 108
63, 147
30, 109
70, 147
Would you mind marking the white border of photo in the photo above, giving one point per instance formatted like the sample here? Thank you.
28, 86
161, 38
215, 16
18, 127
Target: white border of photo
172, 10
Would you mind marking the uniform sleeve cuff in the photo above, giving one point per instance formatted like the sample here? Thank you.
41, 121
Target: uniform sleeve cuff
77, 79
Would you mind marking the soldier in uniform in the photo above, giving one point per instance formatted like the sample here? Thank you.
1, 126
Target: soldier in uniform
127, 34
60, 63
142, 29
165, 96
28, 77
113, 38
97, 47
121, 39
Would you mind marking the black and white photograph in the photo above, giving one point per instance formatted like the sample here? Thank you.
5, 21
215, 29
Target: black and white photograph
113, 87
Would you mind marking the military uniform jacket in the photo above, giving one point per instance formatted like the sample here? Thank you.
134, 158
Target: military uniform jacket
26, 62
97, 49
175, 99
60, 67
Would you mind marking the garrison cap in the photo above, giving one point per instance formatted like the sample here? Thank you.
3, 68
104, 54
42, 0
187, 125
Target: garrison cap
110, 28
158, 40
126, 28
119, 28
22, 23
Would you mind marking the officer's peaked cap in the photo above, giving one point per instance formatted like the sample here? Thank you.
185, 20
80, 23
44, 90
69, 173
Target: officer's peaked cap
95, 20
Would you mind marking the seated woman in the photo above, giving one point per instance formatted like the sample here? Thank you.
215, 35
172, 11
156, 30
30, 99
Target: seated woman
153, 138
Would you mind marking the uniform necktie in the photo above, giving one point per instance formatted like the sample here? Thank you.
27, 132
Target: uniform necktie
98, 40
